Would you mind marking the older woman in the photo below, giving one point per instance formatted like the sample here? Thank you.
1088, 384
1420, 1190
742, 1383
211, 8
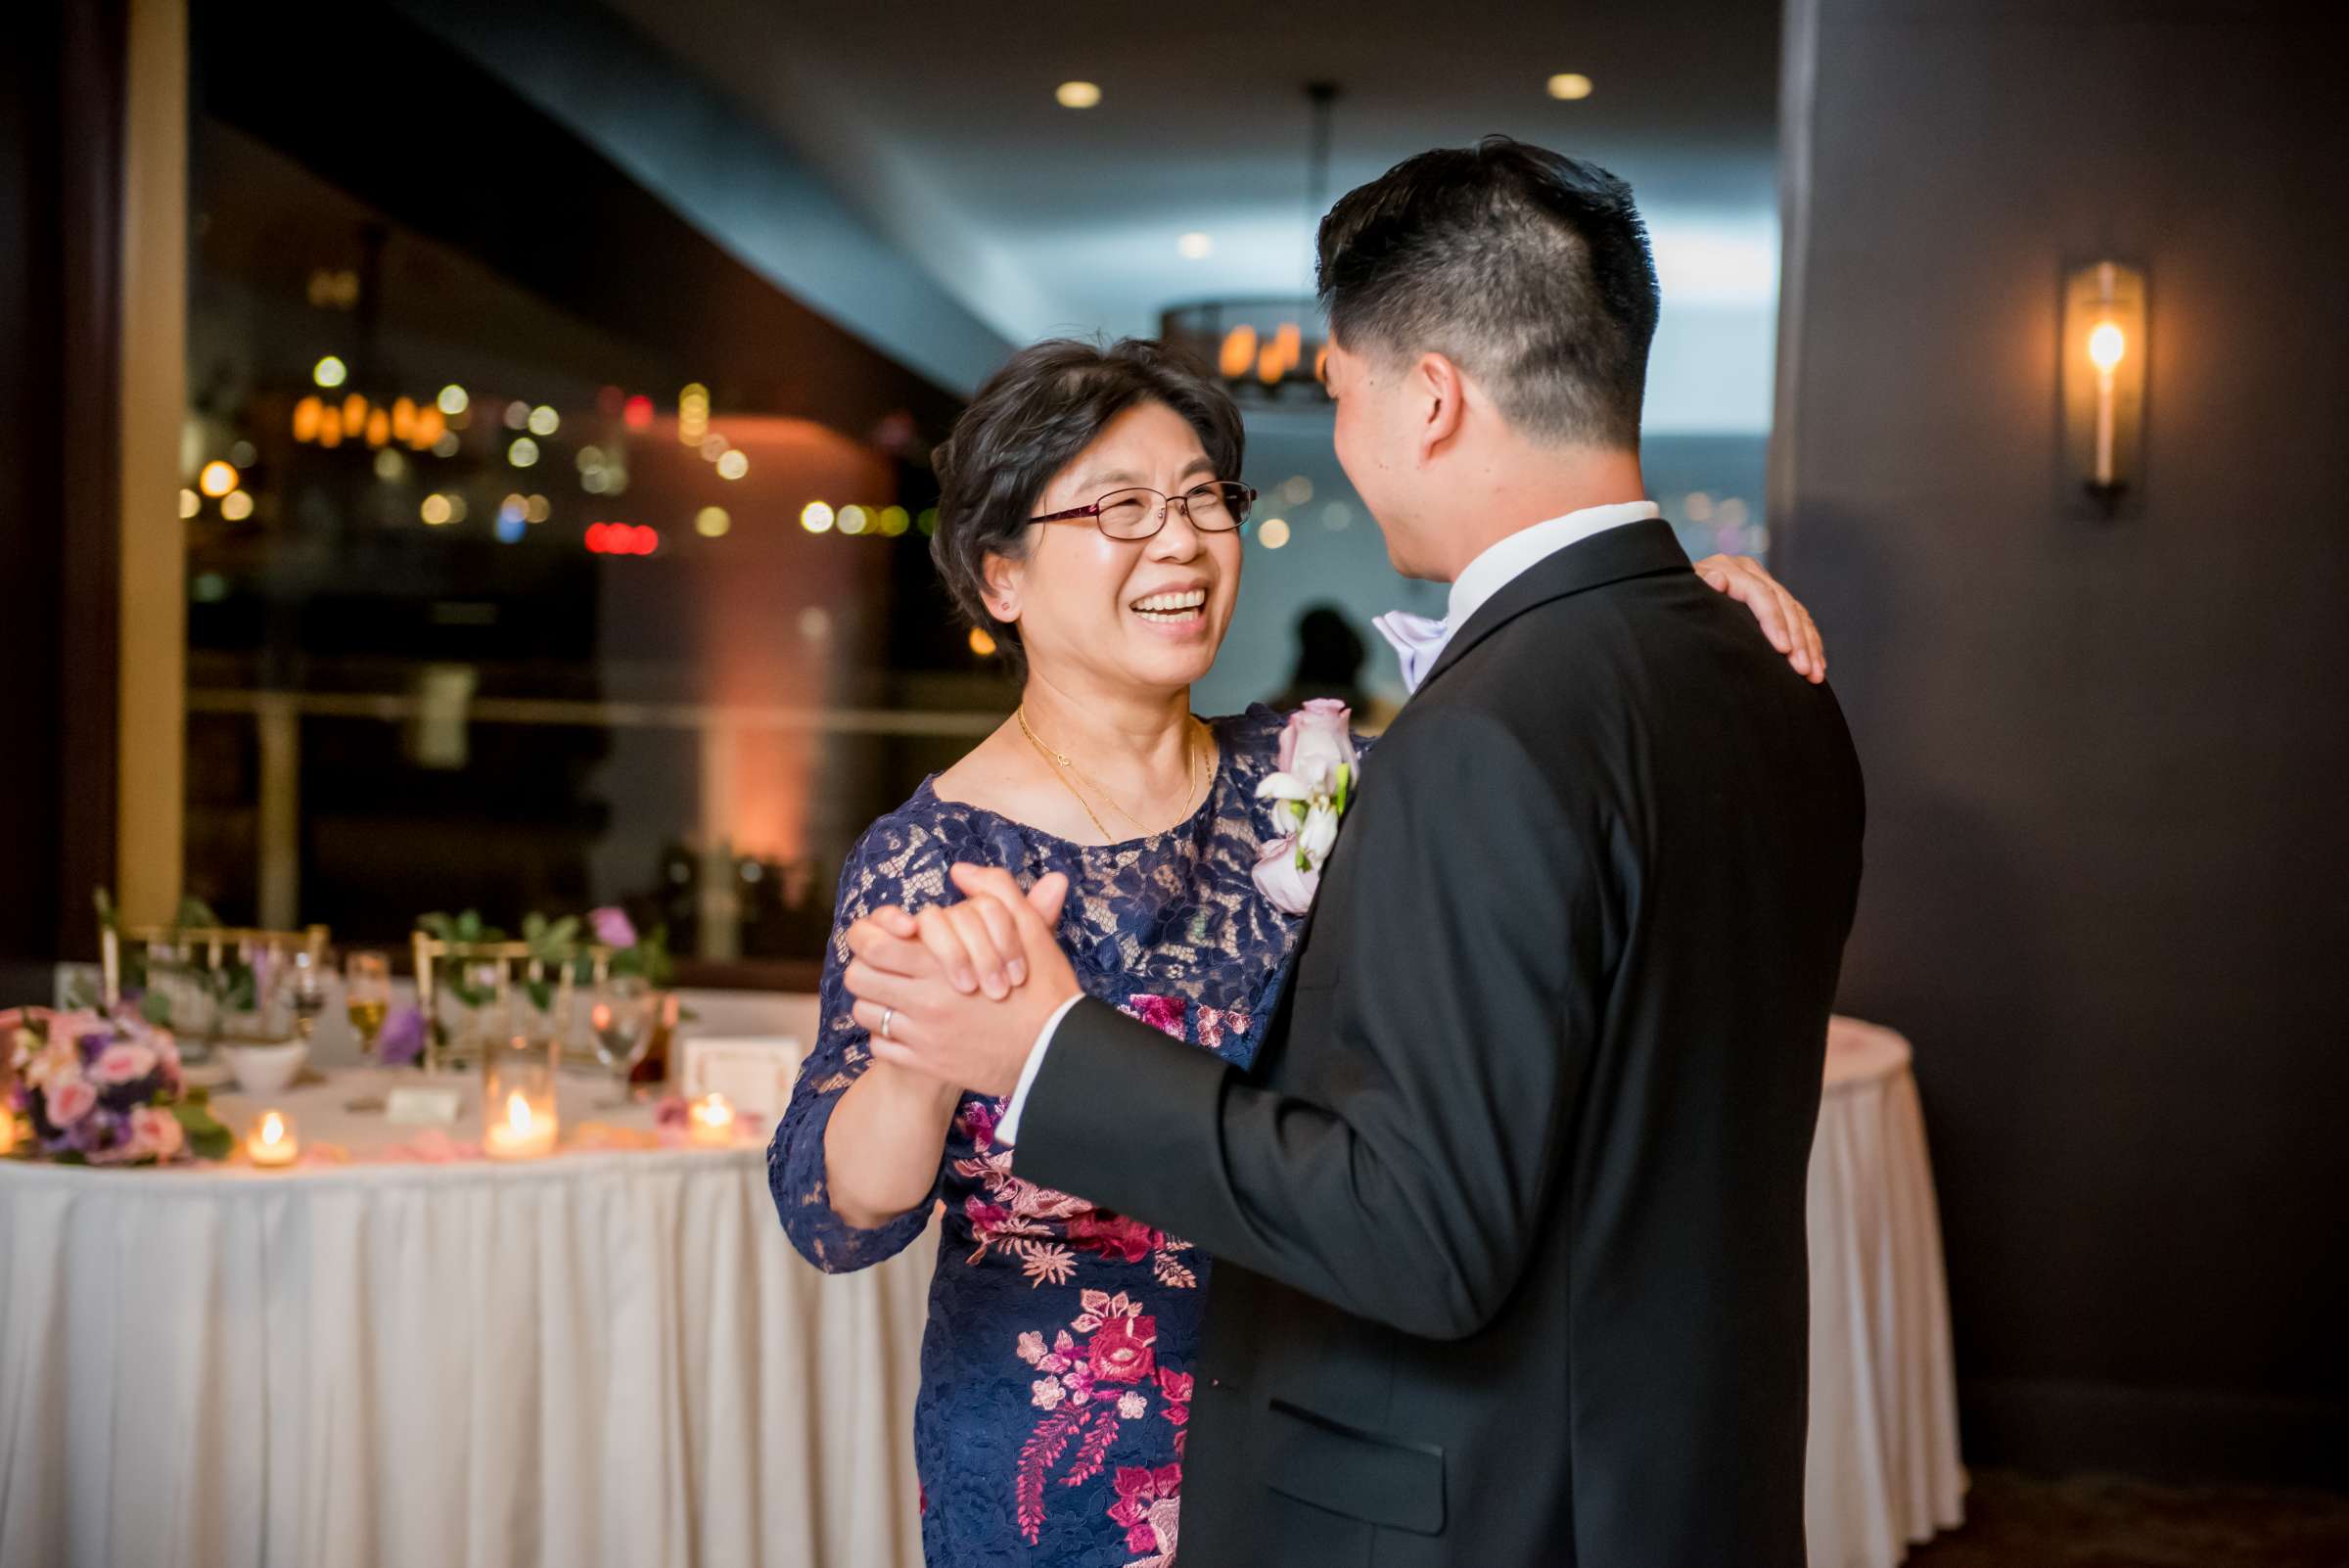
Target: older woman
1090, 519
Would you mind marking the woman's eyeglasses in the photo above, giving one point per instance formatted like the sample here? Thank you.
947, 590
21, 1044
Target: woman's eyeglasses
1217, 507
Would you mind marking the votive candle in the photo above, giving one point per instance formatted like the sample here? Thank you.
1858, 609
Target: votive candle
709, 1120
521, 1130
271, 1144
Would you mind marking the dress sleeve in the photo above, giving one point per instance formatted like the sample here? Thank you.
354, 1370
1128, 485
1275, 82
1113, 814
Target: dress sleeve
882, 869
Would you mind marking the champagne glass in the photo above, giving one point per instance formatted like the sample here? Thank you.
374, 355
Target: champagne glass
367, 996
620, 1021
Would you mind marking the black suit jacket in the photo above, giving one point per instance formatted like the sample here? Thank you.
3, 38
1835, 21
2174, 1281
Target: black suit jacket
1509, 1214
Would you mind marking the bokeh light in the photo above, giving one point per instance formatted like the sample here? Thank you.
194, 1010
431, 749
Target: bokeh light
816, 517
330, 372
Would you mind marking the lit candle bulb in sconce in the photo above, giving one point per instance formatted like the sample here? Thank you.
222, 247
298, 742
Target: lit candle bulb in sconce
271, 1144
709, 1121
2108, 347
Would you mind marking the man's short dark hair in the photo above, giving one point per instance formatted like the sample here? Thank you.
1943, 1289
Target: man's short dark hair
1048, 403
1528, 269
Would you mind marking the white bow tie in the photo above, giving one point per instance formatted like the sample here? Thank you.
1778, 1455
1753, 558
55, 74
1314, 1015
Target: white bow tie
1417, 641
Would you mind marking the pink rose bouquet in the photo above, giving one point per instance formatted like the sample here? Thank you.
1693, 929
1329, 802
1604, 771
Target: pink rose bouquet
103, 1090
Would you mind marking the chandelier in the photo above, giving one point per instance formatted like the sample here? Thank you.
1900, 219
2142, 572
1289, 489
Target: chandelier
1269, 348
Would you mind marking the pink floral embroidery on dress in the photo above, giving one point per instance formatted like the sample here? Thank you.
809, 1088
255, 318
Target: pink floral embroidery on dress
1101, 1371
1045, 1230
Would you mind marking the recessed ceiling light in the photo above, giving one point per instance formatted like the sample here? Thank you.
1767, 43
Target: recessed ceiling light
1077, 94
1196, 247
1569, 86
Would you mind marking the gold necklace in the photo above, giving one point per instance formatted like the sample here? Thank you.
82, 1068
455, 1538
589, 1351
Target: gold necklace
1068, 762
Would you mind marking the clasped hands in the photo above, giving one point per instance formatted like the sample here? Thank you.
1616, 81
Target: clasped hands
959, 992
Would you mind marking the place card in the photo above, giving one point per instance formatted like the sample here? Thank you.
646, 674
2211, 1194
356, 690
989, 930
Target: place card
417, 1106
752, 1072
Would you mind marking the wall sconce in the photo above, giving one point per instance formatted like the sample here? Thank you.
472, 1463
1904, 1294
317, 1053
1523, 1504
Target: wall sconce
2104, 386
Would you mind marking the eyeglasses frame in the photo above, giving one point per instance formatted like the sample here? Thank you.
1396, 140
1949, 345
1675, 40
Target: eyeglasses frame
1166, 504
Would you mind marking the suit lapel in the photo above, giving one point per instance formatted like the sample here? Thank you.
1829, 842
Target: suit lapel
1633, 550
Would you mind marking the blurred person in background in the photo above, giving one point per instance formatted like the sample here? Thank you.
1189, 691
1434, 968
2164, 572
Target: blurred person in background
1329, 667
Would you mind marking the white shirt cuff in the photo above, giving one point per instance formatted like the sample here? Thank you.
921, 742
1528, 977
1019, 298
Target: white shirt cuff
1007, 1131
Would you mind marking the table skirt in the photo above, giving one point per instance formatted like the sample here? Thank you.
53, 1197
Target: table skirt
1883, 1469
604, 1358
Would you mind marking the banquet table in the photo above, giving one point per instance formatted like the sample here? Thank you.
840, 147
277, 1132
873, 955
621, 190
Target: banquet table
605, 1357
1883, 1471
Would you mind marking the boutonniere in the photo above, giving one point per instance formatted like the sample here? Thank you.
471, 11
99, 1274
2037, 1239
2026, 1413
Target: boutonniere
1310, 794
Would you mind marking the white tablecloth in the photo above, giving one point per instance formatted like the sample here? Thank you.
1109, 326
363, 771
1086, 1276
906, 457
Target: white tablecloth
1883, 1467
599, 1359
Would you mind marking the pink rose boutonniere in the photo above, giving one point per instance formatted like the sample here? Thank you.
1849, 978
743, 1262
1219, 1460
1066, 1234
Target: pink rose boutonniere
1310, 791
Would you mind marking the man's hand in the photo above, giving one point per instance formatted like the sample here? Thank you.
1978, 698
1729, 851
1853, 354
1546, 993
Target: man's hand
1785, 621
960, 992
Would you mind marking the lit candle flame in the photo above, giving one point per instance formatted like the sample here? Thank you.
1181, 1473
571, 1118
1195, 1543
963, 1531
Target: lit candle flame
714, 1110
518, 1112
273, 1129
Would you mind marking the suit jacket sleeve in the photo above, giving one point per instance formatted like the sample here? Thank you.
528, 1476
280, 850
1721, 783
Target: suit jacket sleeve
1454, 970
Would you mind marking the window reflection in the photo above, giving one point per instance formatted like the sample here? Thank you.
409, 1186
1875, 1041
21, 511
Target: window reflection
496, 606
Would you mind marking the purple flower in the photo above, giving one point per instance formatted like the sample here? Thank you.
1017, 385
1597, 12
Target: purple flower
611, 926
402, 1038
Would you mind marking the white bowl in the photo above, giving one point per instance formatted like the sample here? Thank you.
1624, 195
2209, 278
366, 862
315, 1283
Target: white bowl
268, 1069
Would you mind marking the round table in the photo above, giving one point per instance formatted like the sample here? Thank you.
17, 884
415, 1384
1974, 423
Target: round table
598, 1357
1883, 1469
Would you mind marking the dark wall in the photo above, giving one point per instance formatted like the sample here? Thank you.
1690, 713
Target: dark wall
60, 100
2107, 891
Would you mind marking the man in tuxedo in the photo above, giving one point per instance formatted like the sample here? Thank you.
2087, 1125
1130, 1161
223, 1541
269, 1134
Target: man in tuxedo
1507, 1215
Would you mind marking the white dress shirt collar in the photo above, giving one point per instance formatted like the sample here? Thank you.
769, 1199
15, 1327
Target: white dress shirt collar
1507, 560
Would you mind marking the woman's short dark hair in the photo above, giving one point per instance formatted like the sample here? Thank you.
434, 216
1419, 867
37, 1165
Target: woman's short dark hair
1032, 417
1528, 269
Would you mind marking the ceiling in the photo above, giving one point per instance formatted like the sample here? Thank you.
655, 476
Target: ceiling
939, 123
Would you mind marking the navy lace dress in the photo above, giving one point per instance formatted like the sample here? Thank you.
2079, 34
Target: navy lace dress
1056, 1368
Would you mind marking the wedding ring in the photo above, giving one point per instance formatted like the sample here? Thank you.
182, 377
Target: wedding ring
888, 1017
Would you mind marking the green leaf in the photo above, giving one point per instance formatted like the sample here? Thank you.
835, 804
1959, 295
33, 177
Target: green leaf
156, 1007
438, 925
207, 1136
194, 911
533, 926
105, 901
469, 926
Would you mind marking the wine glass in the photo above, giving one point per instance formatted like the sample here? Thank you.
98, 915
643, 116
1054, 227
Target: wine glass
367, 996
306, 991
620, 1022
